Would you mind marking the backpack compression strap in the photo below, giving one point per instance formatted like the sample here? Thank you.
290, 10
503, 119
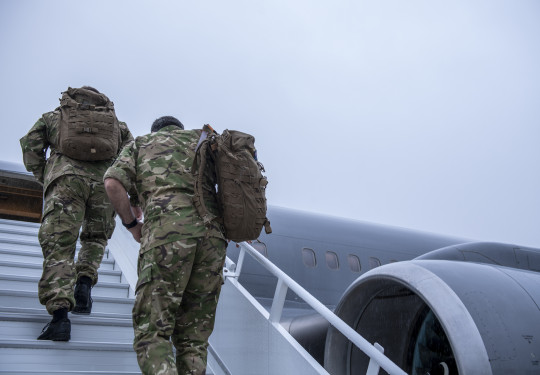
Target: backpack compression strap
198, 197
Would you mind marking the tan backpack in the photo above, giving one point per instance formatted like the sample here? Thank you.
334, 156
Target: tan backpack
241, 184
88, 127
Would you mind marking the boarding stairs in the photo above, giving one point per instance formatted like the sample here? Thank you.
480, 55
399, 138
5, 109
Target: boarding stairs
248, 338
101, 343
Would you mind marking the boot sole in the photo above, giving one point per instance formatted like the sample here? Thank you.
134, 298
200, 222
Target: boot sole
61, 337
81, 312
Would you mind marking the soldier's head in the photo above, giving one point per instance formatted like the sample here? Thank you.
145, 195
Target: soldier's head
166, 121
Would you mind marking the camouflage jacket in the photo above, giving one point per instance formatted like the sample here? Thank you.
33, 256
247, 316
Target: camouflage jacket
44, 136
159, 165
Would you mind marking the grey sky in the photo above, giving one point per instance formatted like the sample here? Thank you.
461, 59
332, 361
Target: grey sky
419, 114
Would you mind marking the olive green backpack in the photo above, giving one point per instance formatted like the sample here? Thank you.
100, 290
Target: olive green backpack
88, 127
241, 184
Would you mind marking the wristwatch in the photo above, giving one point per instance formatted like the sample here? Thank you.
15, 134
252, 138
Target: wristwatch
131, 225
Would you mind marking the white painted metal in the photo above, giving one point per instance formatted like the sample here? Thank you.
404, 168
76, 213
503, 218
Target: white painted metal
244, 340
235, 302
340, 325
373, 367
125, 251
249, 343
101, 343
279, 301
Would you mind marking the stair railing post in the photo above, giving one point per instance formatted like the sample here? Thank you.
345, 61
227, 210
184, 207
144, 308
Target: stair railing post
240, 262
279, 301
373, 367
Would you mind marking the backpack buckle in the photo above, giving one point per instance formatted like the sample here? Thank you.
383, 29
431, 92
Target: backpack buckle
86, 106
85, 129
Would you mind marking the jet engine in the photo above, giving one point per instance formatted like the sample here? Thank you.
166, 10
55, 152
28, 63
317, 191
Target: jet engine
470, 309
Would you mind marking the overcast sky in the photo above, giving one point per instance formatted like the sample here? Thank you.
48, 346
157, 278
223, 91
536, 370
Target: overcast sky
420, 114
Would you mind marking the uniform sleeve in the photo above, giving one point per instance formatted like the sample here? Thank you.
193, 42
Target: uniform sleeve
34, 148
125, 134
124, 167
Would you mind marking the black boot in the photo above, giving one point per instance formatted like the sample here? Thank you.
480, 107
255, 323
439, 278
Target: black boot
58, 329
83, 299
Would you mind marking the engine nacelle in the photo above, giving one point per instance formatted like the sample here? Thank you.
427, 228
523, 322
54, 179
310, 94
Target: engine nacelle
436, 315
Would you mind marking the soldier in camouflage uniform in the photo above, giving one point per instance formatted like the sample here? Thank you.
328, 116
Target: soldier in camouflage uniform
180, 260
74, 197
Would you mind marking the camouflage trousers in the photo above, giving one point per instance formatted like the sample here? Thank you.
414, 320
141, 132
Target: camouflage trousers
72, 202
176, 299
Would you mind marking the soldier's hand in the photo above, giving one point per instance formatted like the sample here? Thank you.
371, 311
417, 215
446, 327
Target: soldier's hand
136, 232
137, 212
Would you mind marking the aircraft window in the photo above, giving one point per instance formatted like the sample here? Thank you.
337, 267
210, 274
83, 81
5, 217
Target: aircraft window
354, 263
260, 247
332, 260
374, 262
308, 256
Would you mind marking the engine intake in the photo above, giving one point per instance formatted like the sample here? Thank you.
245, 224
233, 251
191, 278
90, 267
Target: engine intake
433, 316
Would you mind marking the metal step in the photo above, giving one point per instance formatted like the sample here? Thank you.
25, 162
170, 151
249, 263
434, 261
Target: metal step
35, 270
28, 325
29, 283
17, 224
13, 240
74, 356
21, 232
25, 299
41, 310
22, 244
36, 257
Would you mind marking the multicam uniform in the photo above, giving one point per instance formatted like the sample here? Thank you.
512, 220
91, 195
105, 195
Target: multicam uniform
180, 260
74, 195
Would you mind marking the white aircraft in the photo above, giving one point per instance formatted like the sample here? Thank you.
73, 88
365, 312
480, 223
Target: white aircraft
437, 304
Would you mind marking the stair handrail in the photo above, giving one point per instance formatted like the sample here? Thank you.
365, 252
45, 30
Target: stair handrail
127, 262
374, 352
125, 251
